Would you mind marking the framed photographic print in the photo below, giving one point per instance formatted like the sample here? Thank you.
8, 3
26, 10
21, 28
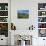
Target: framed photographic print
23, 14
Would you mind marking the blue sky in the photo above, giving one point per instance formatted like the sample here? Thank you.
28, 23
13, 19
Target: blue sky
23, 11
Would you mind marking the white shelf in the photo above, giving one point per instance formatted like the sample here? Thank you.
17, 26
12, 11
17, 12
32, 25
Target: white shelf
41, 10
3, 22
41, 22
3, 10
3, 16
41, 28
42, 16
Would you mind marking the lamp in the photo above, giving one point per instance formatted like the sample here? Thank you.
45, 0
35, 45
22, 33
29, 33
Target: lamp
24, 37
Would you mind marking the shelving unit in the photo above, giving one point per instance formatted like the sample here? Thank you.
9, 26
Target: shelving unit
42, 19
41, 10
4, 19
3, 10
3, 16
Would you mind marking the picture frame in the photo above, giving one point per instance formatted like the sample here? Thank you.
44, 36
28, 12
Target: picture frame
22, 14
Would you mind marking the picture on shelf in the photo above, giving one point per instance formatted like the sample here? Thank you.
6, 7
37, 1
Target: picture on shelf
41, 6
41, 13
3, 19
3, 6
42, 33
3, 26
4, 29
23, 14
41, 25
41, 19
3, 13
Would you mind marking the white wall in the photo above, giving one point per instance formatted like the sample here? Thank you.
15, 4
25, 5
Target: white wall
32, 6
23, 24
